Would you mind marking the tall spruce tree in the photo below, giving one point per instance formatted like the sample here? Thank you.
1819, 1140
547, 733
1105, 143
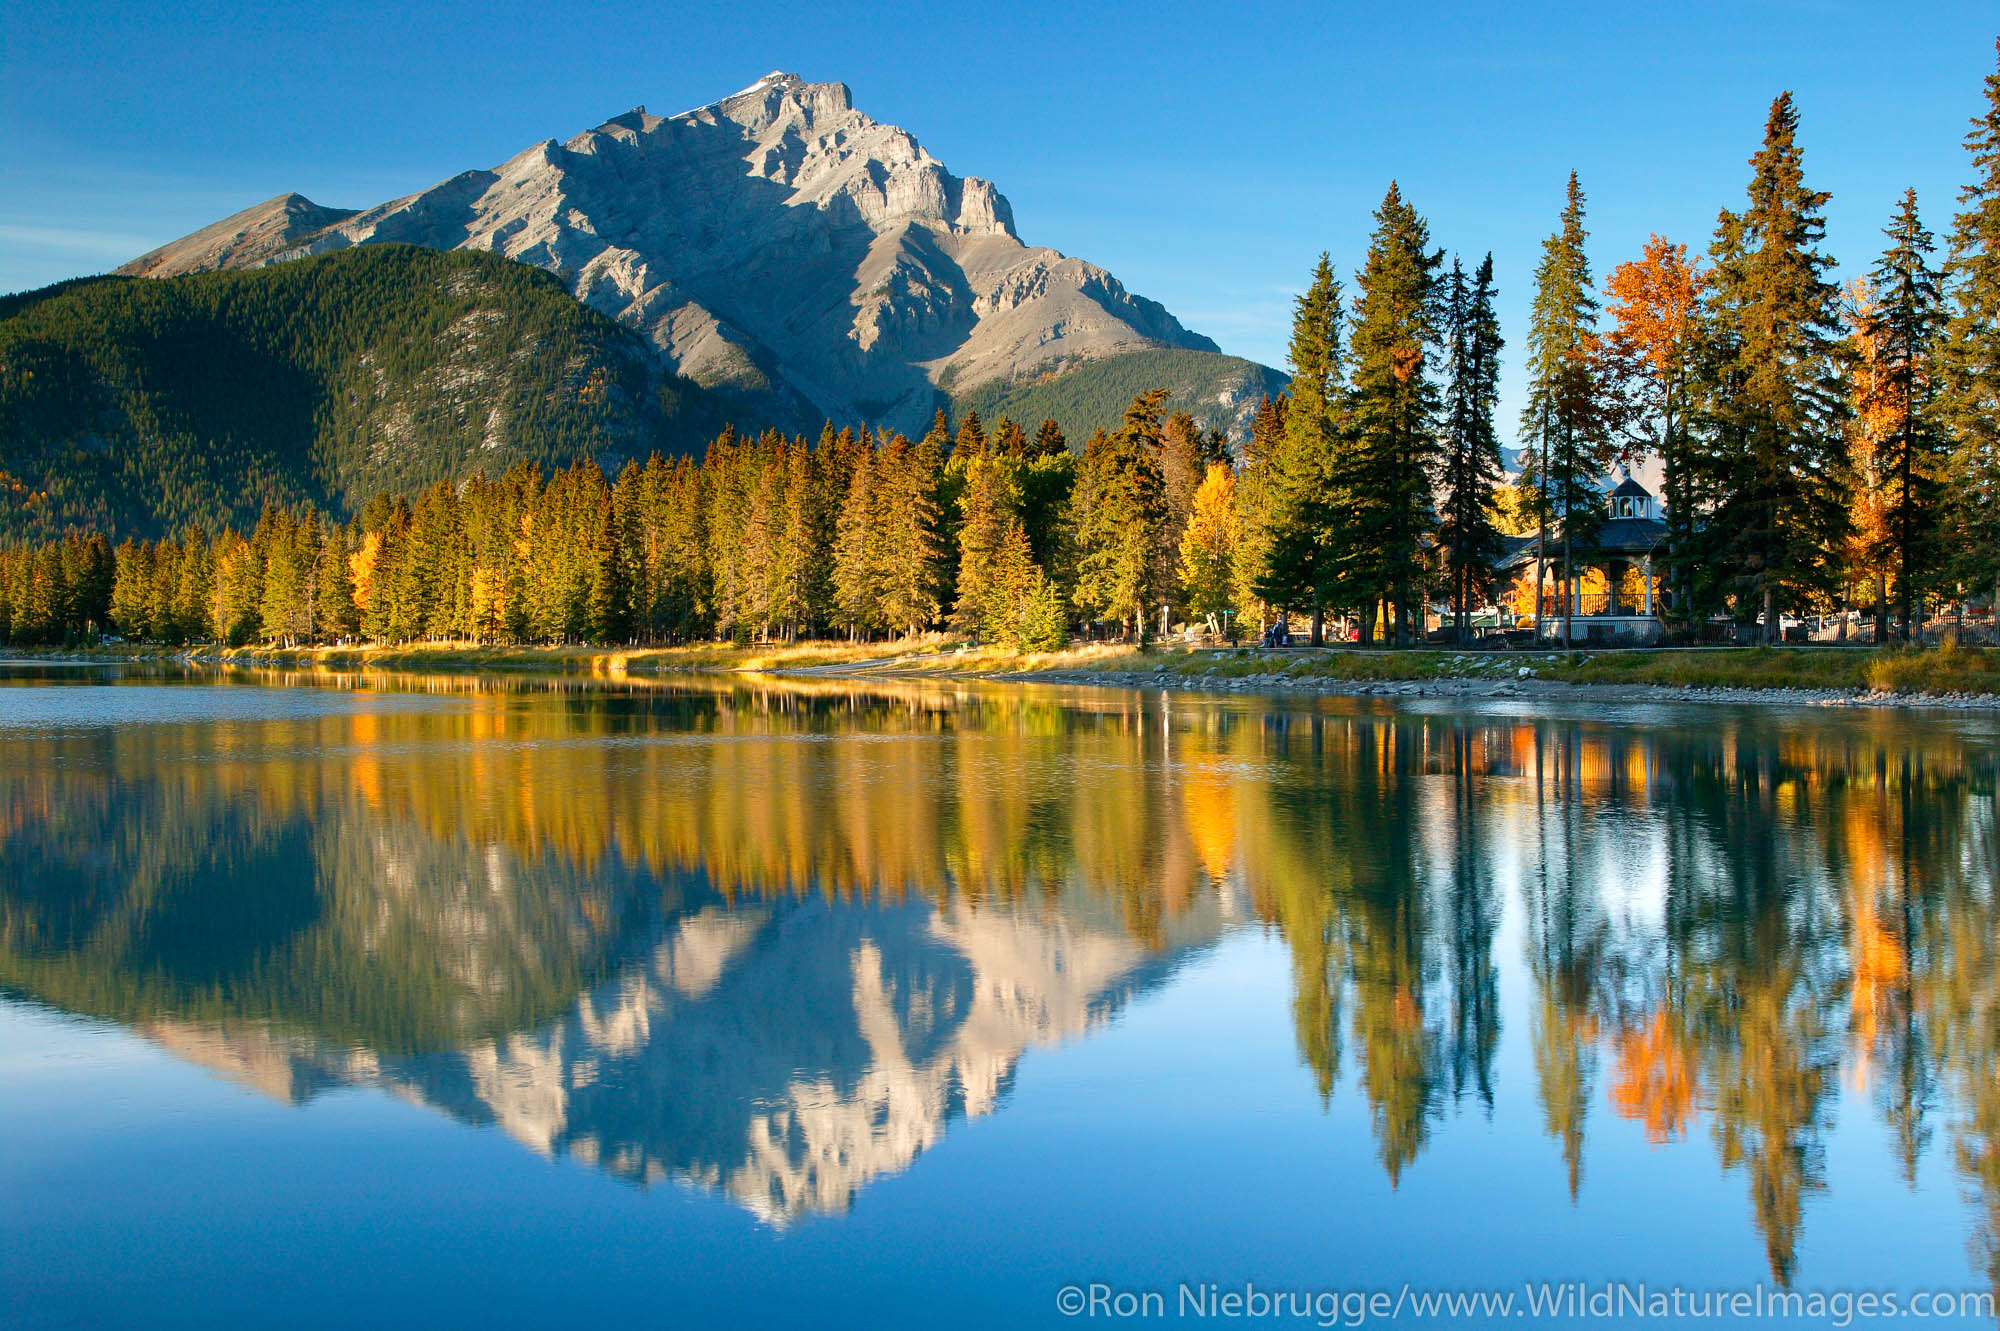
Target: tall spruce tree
986, 506
1775, 406
855, 556
1386, 477
1906, 325
1254, 488
912, 549
1471, 469
1568, 422
1971, 397
1306, 536
1120, 511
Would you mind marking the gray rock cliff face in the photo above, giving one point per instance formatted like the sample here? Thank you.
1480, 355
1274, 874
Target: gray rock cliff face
777, 244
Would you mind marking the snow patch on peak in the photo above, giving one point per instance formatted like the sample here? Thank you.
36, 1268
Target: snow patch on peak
777, 78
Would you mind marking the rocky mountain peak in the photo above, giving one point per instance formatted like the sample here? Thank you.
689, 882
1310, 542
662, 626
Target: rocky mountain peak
241, 240
776, 244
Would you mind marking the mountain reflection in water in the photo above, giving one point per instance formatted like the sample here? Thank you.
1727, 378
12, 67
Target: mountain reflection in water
771, 939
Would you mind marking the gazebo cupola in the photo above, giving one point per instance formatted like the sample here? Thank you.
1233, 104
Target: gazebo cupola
1631, 500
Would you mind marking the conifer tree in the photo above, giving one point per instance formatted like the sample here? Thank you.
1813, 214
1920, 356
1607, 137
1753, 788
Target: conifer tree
1120, 509
1012, 581
986, 515
1471, 466
1044, 618
1254, 500
133, 590
195, 593
1009, 439
1774, 405
726, 507
1570, 418
1971, 371
1906, 325
1388, 478
1049, 441
607, 606
335, 617
971, 441
688, 609
1308, 537
761, 551
1045, 478
911, 550
237, 591
284, 609
1184, 456
855, 558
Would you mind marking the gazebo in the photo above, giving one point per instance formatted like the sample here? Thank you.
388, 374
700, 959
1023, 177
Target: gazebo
1631, 537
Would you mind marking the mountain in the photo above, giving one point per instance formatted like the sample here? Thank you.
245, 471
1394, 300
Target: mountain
777, 245
783, 1054
1220, 392
241, 240
329, 897
139, 406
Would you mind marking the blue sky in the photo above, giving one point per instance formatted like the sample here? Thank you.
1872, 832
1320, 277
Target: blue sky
1204, 154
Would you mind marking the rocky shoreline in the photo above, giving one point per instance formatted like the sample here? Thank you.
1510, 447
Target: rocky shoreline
1526, 687
1521, 682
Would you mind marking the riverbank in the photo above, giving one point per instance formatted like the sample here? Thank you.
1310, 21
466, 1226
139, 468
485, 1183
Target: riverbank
1855, 677
1825, 676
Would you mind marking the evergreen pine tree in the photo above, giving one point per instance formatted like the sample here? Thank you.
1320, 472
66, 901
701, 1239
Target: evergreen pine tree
1120, 508
911, 551
1253, 503
1388, 477
1049, 441
855, 562
986, 513
1183, 459
1569, 421
1971, 370
1009, 439
1906, 327
1471, 467
1307, 538
1774, 404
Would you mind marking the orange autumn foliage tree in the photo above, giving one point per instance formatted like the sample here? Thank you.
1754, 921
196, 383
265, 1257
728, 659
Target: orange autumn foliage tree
1875, 419
1656, 1080
1655, 304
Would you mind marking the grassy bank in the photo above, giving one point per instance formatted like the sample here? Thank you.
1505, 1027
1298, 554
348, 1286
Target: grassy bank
1890, 670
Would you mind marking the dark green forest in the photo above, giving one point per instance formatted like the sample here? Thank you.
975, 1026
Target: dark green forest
137, 406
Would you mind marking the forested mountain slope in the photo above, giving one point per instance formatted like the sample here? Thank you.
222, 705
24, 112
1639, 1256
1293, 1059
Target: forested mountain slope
136, 406
1220, 392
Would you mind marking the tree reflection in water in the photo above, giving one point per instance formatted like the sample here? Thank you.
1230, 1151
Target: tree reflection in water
773, 937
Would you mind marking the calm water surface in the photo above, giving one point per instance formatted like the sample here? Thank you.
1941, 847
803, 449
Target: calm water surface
472, 1002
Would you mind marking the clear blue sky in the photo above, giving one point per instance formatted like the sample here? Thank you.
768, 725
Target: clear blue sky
1205, 154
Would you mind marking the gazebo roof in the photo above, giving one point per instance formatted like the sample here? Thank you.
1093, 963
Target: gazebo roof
1631, 489
1617, 538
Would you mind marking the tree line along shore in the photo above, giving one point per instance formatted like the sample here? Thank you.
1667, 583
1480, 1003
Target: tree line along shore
1820, 447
